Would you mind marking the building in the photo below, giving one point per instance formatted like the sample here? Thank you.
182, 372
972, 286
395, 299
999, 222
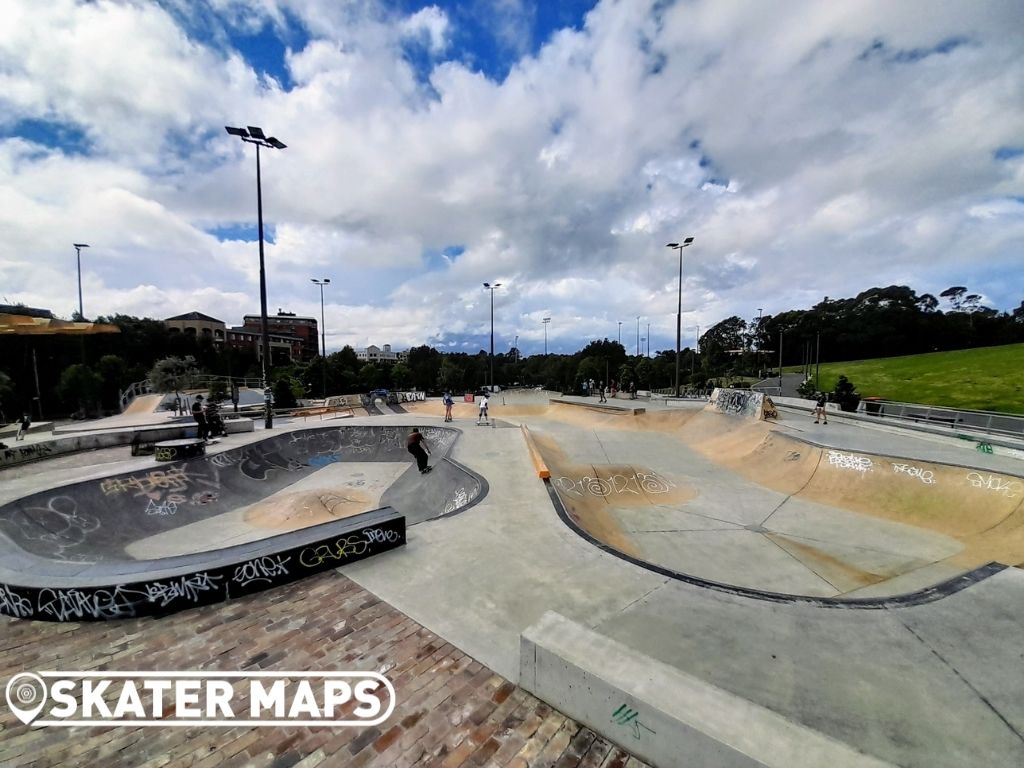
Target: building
287, 324
199, 325
374, 354
284, 347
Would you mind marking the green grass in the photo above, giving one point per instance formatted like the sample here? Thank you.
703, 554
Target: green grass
987, 379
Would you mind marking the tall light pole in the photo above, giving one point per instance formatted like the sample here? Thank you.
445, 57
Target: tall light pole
491, 287
695, 349
546, 320
323, 331
78, 255
255, 135
638, 335
648, 339
679, 310
620, 333
758, 360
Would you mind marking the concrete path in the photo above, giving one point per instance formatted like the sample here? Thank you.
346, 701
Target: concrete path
936, 684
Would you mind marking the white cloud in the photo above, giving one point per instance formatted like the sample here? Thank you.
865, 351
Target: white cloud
856, 149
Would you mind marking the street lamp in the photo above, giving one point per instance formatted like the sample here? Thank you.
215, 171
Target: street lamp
546, 320
679, 310
648, 339
491, 287
758, 361
78, 254
323, 330
620, 333
255, 135
638, 335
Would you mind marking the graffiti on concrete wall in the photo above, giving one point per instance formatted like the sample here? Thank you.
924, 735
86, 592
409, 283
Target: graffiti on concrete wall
1008, 488
638, 483
852, 461
201, 587
740, 402
926, 476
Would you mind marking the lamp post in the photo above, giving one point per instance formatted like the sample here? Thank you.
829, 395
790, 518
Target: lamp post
255, 135
620, 333
78, 255
679, 310
648, 339
491, 287
638, 335
545, 321
758, 359
323, 331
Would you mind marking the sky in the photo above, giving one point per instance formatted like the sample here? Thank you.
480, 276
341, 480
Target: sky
811, 149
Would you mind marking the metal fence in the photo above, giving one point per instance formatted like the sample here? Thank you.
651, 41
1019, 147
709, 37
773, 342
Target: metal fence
991, 422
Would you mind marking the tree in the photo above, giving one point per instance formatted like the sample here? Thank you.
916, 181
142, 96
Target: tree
284, 396
113, 370
172, 374
6, 397
80, 386
370, 377
955, 295
846, 395
401, 376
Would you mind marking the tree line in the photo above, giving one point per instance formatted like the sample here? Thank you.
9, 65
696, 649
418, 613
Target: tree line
63, 375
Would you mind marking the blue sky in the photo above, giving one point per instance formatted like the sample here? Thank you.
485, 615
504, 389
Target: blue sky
552, 147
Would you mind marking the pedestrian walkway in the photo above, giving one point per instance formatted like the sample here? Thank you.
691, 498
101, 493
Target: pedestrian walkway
450, 709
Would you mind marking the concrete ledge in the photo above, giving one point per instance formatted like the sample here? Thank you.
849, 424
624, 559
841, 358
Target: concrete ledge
615, 410
538, 463
660, 713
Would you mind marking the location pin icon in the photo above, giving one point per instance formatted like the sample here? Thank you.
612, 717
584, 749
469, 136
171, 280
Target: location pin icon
26, 695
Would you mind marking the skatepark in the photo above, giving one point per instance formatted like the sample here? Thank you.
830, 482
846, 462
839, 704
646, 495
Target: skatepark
761, 592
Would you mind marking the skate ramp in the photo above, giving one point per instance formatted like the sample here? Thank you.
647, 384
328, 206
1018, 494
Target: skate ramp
725, 500
293, 503
99, 520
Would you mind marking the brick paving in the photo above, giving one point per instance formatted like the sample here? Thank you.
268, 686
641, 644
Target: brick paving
450, 711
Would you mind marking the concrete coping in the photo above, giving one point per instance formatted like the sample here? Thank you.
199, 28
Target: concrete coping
659, 712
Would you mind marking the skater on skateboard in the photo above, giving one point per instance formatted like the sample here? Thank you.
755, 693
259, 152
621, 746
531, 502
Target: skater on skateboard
483, 410
819, 409
448, 403
416, 444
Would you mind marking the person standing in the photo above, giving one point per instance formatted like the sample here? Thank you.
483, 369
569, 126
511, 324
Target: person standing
819, 409
483, 410
448, 403
26, 422
199, 414
416, 444
603, 398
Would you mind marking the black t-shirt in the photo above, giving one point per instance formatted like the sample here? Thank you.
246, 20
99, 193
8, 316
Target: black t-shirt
821, 401
197, 411
413, 441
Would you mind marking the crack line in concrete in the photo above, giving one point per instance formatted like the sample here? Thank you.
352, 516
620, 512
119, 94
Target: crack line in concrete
644, 596
802, 563
955, 671
799, 490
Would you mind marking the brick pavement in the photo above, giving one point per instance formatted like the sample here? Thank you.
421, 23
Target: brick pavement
450, 710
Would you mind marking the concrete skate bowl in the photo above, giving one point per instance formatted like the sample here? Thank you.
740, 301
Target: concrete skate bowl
731, 503
189, 533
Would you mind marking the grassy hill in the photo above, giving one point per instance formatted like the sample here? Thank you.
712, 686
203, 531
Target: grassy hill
989, 378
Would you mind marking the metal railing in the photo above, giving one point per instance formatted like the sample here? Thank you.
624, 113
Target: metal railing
990, 422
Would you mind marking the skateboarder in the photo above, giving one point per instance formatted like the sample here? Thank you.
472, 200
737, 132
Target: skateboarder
200, 416
603, 398
819, 408
416, 444
26, 422
448, 403
483, 410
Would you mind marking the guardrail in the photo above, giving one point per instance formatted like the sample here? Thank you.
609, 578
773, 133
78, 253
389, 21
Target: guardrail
989, 422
